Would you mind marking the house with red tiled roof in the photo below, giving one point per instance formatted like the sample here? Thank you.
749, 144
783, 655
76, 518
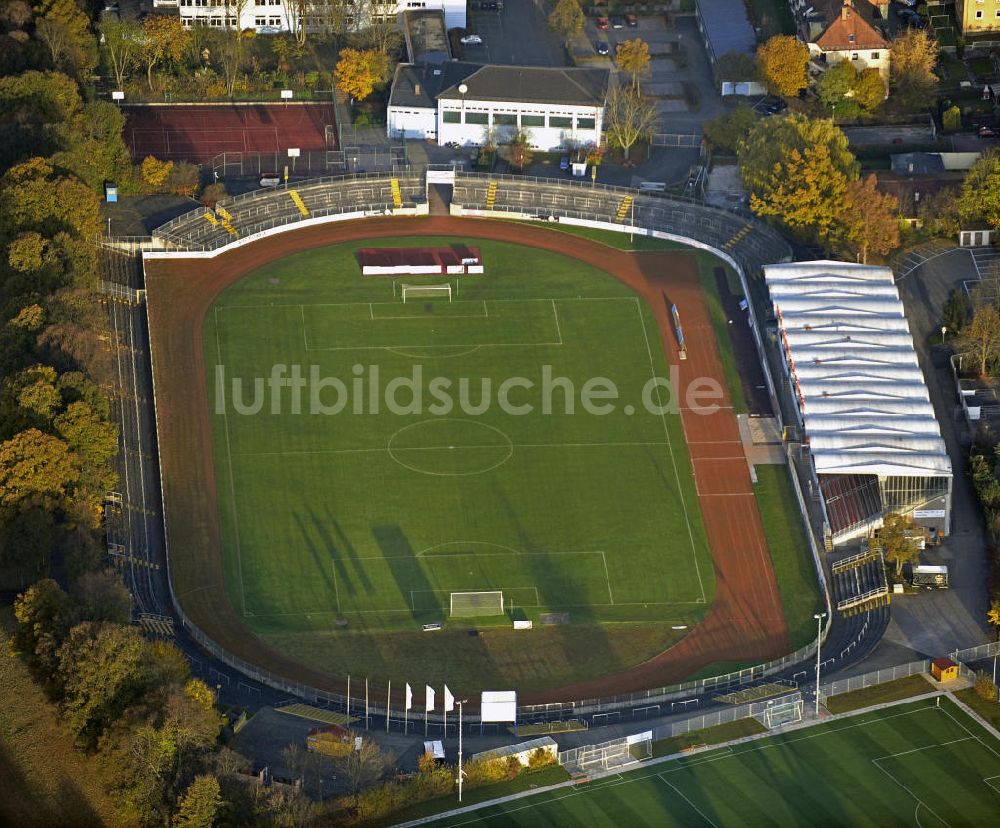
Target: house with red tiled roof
836, 30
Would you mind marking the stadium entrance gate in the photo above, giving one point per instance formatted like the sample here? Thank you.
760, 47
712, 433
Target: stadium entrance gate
440, 186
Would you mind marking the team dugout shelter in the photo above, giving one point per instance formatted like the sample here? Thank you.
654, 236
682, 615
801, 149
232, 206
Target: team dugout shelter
420, 261
860, 397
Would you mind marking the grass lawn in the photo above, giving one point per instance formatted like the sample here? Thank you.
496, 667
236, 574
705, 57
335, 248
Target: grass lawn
989, 710
552, 775
44, 781
709, 736
913, 764
793, 563
375, 515
879, 694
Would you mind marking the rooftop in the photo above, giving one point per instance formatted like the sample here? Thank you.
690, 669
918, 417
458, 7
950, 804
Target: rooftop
726, 26
534, 84
426, 36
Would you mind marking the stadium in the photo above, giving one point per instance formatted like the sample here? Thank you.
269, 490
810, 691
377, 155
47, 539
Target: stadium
632, 554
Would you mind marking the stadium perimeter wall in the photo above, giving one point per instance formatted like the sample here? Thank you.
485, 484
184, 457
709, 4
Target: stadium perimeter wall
639, 700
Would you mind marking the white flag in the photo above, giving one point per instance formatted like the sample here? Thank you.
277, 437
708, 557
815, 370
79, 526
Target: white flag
429, 698
409, 697
449, 700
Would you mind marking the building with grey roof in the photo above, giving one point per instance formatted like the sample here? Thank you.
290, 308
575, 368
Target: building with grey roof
465, 103
725, 28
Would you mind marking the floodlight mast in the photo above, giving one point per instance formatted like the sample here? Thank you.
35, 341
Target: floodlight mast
461, 773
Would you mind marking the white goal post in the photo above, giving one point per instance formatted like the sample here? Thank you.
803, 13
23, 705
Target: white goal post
476, 604
783, 713
425, 291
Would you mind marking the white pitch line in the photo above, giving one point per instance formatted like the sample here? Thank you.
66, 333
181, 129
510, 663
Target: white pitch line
677, 790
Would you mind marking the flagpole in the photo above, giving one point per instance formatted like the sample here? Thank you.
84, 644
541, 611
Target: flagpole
366, 703
388, 695
460, 750
348, 695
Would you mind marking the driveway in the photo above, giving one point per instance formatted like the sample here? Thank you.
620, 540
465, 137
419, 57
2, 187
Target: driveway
936, 622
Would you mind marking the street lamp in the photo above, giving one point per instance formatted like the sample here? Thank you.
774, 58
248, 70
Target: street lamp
462, 89
819, 616
944, 330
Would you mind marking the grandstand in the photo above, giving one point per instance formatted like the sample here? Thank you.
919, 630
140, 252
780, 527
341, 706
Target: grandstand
870, 432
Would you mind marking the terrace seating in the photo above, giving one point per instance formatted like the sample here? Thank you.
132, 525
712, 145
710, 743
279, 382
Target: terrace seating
851, 500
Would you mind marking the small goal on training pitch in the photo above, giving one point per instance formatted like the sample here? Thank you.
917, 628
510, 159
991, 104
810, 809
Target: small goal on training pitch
426, 292
476, 604
782, 713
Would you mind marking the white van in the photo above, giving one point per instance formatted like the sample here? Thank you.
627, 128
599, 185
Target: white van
270, 180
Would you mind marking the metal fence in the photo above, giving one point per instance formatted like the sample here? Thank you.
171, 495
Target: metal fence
875, 677
617, 750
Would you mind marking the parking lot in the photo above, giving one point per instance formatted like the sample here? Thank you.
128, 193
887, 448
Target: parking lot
517, 35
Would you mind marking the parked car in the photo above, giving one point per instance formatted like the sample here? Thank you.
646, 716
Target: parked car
601, 22
909, 3
617, 21
472, 40
602, 48
632, 21
564, 163
987, 132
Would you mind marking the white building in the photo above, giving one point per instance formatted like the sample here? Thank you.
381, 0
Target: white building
465, 103
838, 30
862, 403
285, 16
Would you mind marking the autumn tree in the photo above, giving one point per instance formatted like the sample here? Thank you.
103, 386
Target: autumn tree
629, 117
43, 613
869, 89
782, 63
912, 59
359, 71
938, 213
981, 337
36, 469
67, 33
898, 546
567, 18
804, 193
360, 768
868, 222
993, 614
122, 42
632, 57
725, 132
521, 153
164, 39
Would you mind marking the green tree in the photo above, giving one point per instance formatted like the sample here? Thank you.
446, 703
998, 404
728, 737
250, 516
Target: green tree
868, 223
122, 44
94, 439
938, 213
99, 669
782, 63
736, 67
200, 805
102, 596
43, 613
836, 85
632, 57
897, 545
567, 19
725, 132
955, 313
912, 59
980, 196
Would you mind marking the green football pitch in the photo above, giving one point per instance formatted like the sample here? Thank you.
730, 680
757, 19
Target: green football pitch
912, 765
333, 506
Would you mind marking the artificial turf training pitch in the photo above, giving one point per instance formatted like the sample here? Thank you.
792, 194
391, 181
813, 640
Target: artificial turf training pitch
911, 765
377, 517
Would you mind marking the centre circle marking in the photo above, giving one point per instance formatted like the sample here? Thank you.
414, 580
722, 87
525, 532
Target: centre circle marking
395, 452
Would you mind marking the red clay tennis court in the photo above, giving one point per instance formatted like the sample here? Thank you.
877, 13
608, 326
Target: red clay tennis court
198, 133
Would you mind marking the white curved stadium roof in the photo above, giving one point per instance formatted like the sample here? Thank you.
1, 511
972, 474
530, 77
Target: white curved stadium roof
863, 398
